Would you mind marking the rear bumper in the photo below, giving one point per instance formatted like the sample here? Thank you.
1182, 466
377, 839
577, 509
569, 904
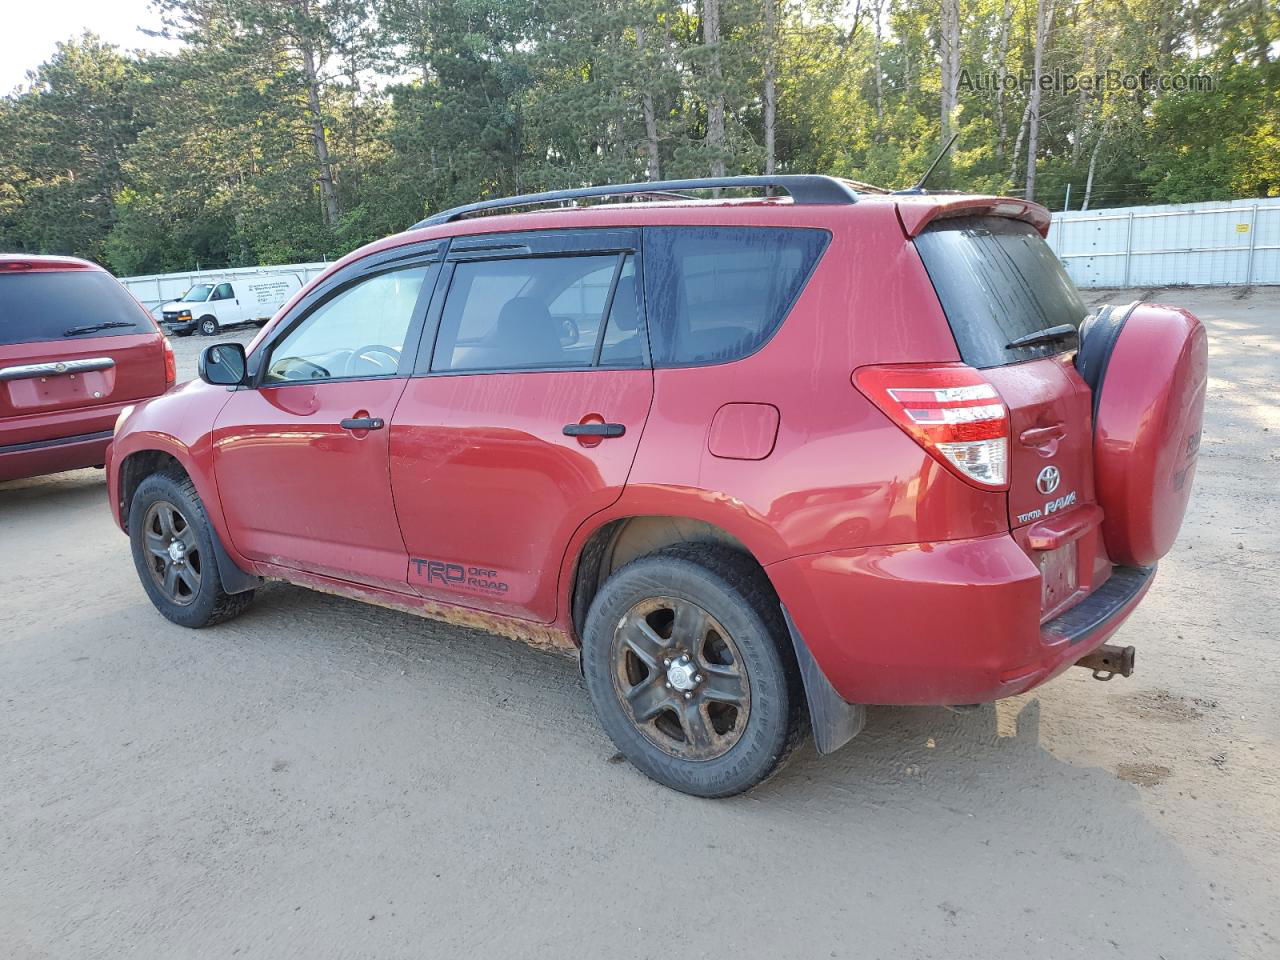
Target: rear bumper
41, 443
943, 623
36, 458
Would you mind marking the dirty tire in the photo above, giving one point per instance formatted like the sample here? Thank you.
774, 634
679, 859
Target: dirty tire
209, 604
209, 326
735, 592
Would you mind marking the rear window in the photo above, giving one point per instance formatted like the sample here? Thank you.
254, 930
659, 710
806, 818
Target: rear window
998, 280
56, 305
715, 294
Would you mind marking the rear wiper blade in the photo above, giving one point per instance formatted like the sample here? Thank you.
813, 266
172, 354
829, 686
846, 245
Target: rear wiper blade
1062, 331
95, 327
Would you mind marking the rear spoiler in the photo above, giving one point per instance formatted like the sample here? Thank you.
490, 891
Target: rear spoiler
916, 213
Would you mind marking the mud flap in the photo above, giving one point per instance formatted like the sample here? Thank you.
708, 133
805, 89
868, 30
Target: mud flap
835, 721
234, 580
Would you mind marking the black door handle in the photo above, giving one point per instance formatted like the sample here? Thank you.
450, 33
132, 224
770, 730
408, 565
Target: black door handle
594, 429
362, 423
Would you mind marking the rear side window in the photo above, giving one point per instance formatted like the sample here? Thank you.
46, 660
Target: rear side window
715, 294
998, 280
57, 305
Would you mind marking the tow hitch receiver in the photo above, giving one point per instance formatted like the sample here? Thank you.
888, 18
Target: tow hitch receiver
1107, 661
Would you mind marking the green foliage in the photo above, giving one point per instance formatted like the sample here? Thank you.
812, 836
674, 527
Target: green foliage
287, 130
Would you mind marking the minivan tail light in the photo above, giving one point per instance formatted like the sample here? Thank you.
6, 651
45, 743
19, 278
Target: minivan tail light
170, 365
951, 410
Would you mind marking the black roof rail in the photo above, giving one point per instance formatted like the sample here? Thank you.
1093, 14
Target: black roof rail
805, 189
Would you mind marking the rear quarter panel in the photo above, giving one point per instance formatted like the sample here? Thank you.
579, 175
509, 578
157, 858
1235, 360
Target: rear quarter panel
840, 474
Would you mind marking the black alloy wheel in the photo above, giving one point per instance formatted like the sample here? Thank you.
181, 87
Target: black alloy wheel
175, 559
680, 678
691, 670
175, 553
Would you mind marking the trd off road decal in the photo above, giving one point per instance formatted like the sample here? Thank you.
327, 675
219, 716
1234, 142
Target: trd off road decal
458, 577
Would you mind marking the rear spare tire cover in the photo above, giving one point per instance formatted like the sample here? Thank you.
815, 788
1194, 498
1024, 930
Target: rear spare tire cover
1147, 365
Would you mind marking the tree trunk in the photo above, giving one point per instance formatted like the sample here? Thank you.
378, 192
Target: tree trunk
876, 50
646, 104
1093, 162
770, 83
1002, 53
328, 195
715, 92
1044, 22
1089, 60
950, 64
1017, 143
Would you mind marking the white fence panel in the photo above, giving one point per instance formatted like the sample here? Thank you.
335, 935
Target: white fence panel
1214, 243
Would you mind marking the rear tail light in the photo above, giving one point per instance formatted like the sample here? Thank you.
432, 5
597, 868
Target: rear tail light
951, 411
170, 365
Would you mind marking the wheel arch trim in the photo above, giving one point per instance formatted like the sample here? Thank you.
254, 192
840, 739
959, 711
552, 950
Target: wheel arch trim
235, 577
834, 721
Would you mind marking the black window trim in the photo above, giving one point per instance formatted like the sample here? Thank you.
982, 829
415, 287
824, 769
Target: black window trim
786, 314
619, 262
536, 245
431, 253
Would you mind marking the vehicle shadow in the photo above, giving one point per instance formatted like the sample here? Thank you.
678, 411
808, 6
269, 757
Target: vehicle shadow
41, 507
74, 483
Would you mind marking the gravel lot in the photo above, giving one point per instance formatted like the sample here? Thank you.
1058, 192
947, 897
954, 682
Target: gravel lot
325, 779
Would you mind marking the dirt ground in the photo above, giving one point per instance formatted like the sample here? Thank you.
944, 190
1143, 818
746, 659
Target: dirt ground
324, 779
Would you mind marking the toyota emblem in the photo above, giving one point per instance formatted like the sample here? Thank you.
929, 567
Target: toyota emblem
1048, 480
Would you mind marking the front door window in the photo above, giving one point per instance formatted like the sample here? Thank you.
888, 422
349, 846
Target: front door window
359, 333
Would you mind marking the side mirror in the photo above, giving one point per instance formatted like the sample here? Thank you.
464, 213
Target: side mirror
223, 364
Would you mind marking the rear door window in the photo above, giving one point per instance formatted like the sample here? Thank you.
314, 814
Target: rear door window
716, 294
56, 305
528, 313
998, 280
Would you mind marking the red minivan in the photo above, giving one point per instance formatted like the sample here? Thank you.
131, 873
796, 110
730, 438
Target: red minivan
760, 461
75, 349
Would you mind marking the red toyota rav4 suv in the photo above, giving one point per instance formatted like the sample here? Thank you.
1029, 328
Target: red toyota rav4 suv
75, 348
762, 461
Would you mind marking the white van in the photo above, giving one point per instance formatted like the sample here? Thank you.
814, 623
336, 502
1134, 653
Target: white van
213, 305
